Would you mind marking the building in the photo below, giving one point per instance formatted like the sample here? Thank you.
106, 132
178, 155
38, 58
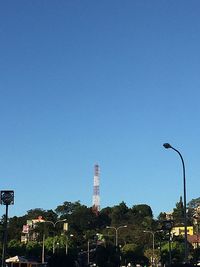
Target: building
180, 230
194, 240
28, 233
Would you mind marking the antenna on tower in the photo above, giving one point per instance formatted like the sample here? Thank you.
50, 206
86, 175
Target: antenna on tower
96, 194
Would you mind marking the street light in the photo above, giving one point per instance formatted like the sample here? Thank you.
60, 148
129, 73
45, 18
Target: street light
167, 145
6, 198
153, 248
54, 225
66, 246
168, 225
116, 232
153, 235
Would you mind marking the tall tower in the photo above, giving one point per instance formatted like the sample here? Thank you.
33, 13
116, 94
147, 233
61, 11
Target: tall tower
96, 195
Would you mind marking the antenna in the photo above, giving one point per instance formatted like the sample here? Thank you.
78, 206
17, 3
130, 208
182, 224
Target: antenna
96, 194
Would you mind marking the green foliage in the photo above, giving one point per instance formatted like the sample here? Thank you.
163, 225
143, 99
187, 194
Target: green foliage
178, 212
35, 213
104, 218
33, 248
15, 227
49, 244
162, 216
15, 247
193, 212
119, 214
133, 253
149, 254
83, 219
67, 208
61, 260
142, 210
101, 256
177, 252
84, 224
113, 257
48, 215
194, 203
142, 216
195, 256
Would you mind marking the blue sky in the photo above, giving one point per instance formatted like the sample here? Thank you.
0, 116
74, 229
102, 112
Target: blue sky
107, 82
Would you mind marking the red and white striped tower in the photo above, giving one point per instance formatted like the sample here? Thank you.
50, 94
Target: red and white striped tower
96, 194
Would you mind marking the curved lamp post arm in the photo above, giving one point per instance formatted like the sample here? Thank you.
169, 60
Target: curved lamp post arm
112, 227
54, 225
116, 232
122, 226
167, 145
153, 243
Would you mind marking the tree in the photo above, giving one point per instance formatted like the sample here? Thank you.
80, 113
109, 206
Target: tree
15, 247
149, 254
119, 214
177, 252
178, 212
15, 227
33, 249
133, 253
194, 203
195, 256
162, 216
142, 210
35, 213
61, 260
142, 216
48, 215
83, 218
101, 256
84, 224
104, 219
194, 211
67, 208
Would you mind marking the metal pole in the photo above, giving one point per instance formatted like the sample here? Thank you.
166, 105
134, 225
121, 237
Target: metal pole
43, 248
116, 237
116, 232
153, 234
153, 245
167, 145
5, 239
54, 225
88, 252
54, 244
170, 249
184, 199
66, 246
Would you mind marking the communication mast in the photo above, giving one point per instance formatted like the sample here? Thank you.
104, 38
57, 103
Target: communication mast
96, 194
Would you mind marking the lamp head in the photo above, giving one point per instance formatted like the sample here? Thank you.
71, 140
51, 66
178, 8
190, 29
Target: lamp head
7, 197
167, 145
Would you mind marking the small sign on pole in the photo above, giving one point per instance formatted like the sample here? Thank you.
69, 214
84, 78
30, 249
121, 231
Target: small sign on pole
65, 226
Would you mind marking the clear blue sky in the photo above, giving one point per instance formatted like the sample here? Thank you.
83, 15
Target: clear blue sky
108, 82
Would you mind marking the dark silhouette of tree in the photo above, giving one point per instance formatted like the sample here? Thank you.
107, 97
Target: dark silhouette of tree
60, 260
67, 208
178, 213
84, 224
142, 210
119, 214
15, 227
15, 247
